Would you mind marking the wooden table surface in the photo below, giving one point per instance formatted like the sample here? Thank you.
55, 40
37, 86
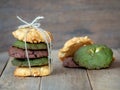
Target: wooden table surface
62, 78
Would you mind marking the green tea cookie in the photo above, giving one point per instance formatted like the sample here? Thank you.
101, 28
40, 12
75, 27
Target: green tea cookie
93, 56
33, 46
33, 62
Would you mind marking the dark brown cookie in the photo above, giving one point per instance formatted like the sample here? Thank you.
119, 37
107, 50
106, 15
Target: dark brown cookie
20, 53
68, 62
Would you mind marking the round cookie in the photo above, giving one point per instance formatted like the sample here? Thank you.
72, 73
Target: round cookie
72, 45
93, 56
33, 35
20, 53
33, 62
32, 46
34, 71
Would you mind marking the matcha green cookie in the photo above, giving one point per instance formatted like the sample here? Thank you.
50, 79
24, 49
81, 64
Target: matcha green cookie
33, 62
93, 56
33, 46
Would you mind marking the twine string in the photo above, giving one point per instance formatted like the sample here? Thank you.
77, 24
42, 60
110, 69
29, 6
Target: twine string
26, 52
48, 47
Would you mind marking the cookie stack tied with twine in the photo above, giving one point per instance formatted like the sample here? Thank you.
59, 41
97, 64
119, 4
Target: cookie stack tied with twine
32, 49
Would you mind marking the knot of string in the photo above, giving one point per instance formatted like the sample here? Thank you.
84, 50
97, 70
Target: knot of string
32, 24
36, 25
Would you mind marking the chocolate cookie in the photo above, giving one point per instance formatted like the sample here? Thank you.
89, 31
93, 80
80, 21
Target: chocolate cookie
20, 53
69, 62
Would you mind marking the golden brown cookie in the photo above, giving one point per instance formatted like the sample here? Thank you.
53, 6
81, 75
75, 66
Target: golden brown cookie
33, 35
72, 45
35, 71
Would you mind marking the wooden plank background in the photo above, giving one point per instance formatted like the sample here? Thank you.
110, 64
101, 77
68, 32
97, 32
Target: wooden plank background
61, 79
3, 61
65, 78
99, 19
107, 79
9, 82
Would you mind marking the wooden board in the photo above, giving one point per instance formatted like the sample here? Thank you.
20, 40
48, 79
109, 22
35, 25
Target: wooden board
3, 60
99, 19
107, 79
9, 82
65, 78
61, 79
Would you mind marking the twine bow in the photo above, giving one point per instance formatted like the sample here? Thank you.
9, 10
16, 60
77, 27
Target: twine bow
33, 23
36, 25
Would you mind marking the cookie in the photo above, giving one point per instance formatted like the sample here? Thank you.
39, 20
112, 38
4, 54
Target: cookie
93, 56
20, 53
72, 45
33, 35
34, 71
69, 62
33, 62
32, 46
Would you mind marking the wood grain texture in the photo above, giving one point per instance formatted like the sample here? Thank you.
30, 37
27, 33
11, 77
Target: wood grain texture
65, 78
3, 61
9, 82
61, 79
99, 19
107, 79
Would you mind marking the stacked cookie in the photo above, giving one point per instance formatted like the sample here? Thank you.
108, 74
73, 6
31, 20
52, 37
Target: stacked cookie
37, 52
